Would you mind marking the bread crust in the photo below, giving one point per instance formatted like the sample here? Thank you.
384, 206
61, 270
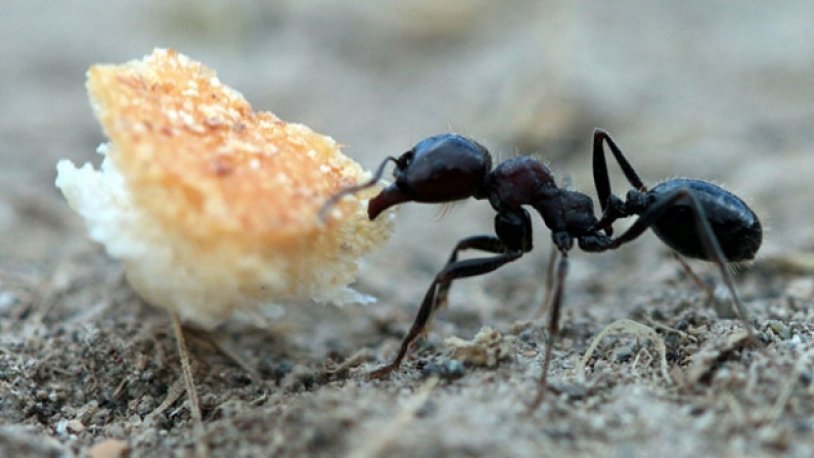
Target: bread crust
198, 158
226, 199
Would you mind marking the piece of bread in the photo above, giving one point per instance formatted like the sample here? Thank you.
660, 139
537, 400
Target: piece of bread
211, 207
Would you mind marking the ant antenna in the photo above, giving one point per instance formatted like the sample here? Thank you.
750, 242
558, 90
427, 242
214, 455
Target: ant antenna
323, 212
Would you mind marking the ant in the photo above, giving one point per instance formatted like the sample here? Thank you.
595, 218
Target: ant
695, 218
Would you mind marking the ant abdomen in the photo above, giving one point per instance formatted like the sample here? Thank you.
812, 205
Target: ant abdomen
735, 226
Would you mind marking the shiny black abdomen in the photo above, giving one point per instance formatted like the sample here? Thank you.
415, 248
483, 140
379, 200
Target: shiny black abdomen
735, 225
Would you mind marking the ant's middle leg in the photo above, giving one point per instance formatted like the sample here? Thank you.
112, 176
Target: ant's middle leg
553, 328
549, 284
457, 269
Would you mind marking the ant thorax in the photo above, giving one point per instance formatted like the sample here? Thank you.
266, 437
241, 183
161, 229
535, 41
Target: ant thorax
526, 181
520, 181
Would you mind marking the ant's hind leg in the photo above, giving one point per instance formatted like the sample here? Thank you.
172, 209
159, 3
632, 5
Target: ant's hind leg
612, 206
600, 167
457, 269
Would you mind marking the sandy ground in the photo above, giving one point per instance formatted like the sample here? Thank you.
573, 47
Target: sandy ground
721, 92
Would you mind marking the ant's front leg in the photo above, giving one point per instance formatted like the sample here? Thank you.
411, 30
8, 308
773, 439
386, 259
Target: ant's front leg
452, 271
513, 229
487, 243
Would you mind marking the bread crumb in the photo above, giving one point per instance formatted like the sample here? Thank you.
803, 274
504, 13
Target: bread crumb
212, 207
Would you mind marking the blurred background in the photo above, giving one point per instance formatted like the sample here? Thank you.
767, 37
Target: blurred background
722, 91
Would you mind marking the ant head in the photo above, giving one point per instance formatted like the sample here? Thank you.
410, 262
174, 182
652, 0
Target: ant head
442, 168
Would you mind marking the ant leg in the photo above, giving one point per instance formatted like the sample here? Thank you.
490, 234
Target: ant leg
612, 206
488, 243
458, 269
711, 245
600, 167
698, 282
549, 284
553, 328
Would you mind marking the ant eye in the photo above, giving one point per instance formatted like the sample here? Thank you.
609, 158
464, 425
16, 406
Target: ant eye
405, 159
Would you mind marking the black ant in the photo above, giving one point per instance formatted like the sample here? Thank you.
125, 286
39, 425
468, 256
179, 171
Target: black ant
695, 218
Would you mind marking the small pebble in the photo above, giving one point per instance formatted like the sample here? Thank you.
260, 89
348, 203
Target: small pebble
431, 369
451, 369
61, 427
270, 368
7, 300
75, 426
623, 353
780, 329
573, 390
282, 369
454, 369
672, 340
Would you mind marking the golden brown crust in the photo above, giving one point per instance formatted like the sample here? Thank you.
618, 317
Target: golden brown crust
213, 208
202, 162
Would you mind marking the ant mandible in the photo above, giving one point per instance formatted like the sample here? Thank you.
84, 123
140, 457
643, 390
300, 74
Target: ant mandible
695, 218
